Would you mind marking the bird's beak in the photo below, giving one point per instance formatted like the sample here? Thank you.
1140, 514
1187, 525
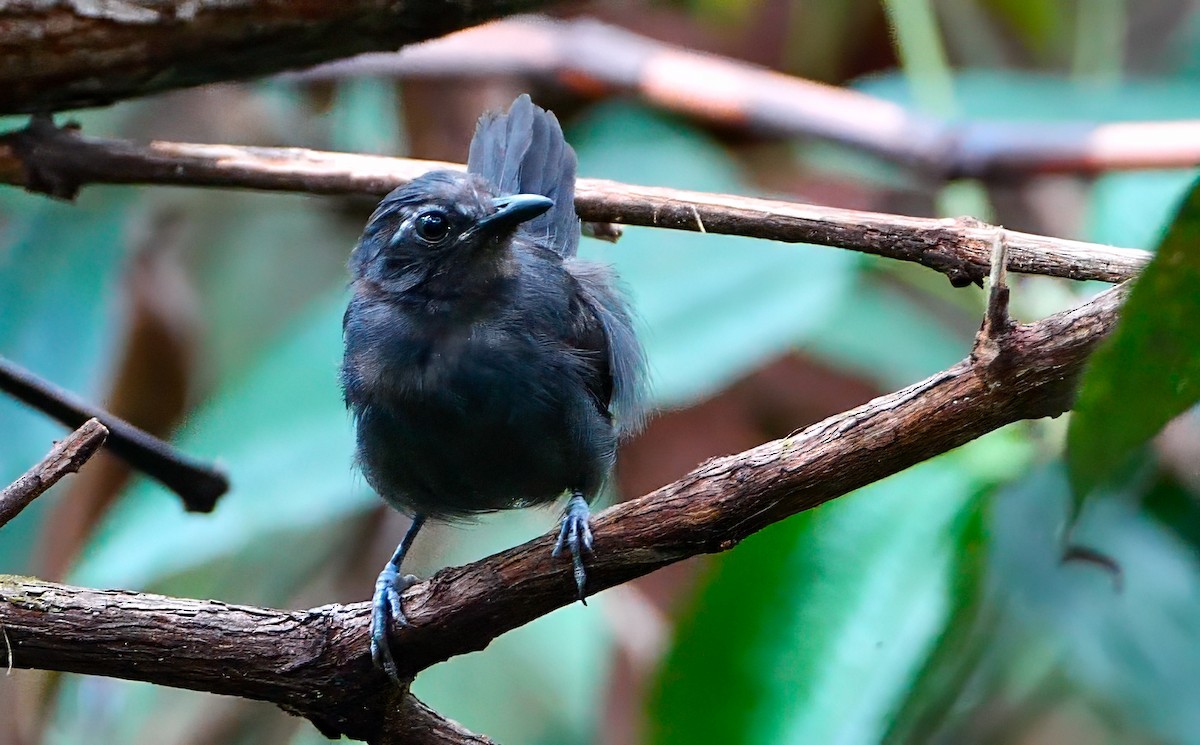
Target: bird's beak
512, 211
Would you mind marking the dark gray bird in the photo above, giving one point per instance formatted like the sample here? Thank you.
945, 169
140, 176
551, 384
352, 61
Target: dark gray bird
485, 365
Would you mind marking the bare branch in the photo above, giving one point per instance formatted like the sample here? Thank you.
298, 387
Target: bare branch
198, 484
316, 663
60, 161
63, 54
66, 457
578, 54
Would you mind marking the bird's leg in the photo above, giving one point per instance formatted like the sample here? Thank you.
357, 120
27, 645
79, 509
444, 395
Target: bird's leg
576, 535
386, 602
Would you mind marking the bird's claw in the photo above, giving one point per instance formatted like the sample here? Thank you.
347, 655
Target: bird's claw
384, 605
576, 536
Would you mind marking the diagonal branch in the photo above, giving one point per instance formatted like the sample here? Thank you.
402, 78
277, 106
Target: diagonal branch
62, 54
197, 483
68, 456
315, 663
60, 161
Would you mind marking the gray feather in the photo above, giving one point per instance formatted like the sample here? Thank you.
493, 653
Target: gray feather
524, 152
623, 353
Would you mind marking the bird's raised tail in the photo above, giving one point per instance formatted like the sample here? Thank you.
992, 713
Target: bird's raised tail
524, 152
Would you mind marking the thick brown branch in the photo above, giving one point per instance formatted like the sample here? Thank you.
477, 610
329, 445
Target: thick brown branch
66, 457
578, 54
60, 161
62, 54
316, 663
300, 660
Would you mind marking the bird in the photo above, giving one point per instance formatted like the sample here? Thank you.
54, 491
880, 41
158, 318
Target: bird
486, 367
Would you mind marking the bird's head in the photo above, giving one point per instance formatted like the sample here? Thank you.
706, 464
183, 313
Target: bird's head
445, 223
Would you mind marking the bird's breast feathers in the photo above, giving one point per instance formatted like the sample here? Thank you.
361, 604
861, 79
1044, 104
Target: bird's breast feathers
423, 363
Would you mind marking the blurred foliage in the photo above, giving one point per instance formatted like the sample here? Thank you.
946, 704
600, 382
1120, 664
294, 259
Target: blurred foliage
1155, 351
869, 579
1041, 26
932, 607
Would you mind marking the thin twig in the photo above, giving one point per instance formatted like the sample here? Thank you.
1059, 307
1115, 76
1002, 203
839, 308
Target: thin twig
66, 457
59, 162
198, 484
316, 663
990, 352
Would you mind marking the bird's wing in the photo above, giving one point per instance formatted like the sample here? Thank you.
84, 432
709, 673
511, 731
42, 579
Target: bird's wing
587, 341
524, 152
602, 332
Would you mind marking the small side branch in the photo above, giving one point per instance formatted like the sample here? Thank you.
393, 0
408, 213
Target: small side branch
66, 457
198, 484
61, 161
996, 322
990, 351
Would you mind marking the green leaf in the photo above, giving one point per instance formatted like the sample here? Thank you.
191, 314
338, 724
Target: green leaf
1148, 372
1174, 504
1130, 652
918, 41
817, 628
1042, 26
932, 699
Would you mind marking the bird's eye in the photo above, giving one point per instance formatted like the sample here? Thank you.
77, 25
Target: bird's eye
433, 226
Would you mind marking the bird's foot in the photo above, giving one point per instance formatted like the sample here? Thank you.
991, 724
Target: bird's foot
384, 605
576, 536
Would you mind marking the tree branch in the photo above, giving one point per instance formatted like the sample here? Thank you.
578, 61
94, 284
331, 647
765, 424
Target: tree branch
59, 162
62, 54
579, 54
297, 660
66, 457
316, 663
198, 484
